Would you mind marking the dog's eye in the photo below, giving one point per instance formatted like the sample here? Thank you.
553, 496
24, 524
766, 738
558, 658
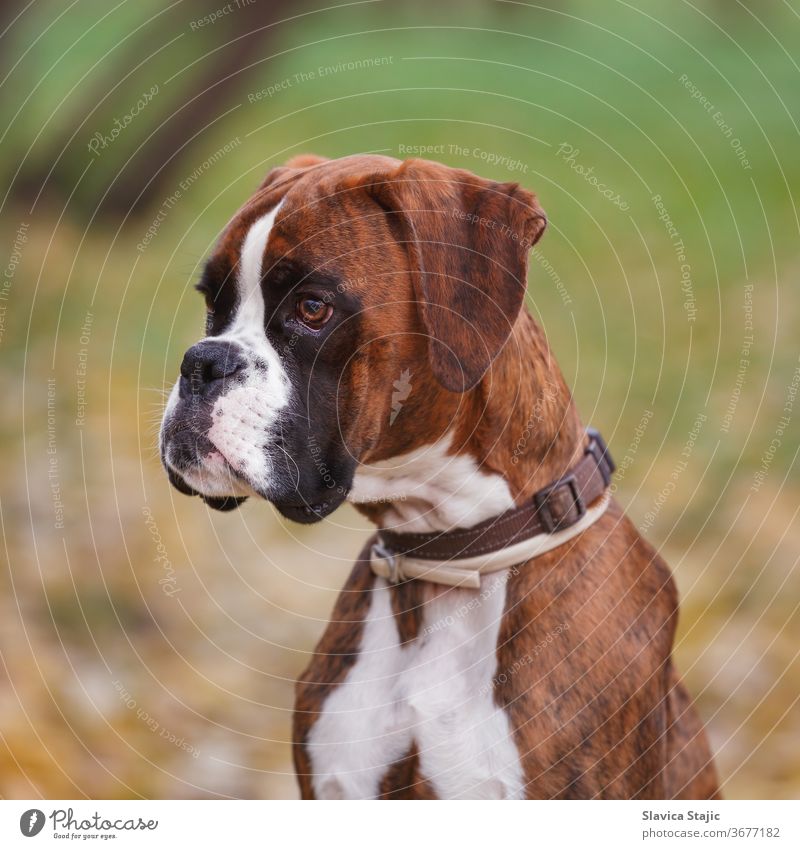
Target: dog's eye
313, 312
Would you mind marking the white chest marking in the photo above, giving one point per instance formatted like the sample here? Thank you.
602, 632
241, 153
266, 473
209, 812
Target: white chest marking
431, 489
435, 693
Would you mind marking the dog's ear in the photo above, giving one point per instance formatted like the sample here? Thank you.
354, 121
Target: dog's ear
467, 240
292, 168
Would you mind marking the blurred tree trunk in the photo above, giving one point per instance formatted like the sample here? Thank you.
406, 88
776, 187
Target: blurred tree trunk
210, 88
9, 9
213, 92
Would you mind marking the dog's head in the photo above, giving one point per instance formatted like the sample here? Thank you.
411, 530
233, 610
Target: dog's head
350, 304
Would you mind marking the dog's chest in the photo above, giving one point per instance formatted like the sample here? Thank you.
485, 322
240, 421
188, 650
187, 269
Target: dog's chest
433, 696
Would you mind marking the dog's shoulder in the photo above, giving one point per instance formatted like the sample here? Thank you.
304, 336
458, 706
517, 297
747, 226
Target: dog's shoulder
582, 653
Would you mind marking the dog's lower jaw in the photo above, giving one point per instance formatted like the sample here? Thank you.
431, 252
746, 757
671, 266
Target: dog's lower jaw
208, 474
222, 503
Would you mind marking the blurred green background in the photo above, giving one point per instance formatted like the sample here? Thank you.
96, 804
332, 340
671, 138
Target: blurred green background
149, 646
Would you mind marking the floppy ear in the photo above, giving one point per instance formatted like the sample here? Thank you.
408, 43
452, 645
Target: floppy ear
292, 168
467, 240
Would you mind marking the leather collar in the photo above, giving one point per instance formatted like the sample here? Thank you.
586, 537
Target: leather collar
556, 513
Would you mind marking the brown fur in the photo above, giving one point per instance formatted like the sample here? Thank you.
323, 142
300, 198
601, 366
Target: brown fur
592, 714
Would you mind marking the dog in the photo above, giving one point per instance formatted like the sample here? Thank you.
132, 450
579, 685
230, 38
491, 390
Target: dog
507, 633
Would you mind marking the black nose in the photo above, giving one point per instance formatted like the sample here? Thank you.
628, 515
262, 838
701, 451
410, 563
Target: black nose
208, 361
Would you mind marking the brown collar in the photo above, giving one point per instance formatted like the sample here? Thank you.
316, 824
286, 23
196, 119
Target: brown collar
555, 509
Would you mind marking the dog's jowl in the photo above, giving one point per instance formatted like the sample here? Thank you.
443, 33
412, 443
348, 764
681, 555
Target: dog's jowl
506, 633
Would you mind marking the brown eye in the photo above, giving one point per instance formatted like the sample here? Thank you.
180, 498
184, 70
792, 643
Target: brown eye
313, 312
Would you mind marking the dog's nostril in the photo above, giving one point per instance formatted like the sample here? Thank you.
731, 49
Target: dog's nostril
209, 361
225, 367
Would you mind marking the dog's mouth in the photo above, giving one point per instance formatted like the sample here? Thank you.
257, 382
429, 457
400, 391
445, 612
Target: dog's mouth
219, 450
223, 503
196, 467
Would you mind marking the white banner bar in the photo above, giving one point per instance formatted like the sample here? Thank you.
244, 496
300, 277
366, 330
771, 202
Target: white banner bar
488, 825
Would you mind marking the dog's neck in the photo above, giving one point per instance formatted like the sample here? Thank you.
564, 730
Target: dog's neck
517, 431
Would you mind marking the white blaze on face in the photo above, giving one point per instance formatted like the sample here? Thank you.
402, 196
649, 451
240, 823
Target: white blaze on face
242, 418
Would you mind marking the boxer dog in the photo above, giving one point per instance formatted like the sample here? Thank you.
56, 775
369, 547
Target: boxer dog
507, 633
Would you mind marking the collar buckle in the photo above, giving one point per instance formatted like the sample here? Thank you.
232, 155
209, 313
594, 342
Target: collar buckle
602, 456
551, 508
391, 560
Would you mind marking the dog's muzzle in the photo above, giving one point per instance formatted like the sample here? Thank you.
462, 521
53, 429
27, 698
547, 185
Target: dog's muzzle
194, 464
